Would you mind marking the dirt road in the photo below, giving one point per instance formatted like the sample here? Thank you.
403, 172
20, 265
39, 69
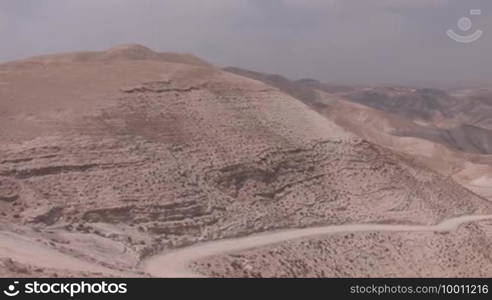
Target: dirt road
175, 263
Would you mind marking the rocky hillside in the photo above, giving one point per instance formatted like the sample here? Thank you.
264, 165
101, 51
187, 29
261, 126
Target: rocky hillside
136, 151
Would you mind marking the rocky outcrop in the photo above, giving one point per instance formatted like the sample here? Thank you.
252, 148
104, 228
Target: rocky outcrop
9, 190
158, 87
49, 216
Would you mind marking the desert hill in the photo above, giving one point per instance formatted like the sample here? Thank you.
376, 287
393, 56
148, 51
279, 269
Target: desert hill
448, 132
119, 53
430, 114
133, 151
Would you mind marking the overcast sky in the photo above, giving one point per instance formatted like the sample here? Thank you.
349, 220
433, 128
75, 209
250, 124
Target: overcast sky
344, 41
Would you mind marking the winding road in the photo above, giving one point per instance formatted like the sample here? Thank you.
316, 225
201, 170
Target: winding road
176, 263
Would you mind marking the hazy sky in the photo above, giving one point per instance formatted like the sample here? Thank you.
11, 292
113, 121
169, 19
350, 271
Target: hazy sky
346, 41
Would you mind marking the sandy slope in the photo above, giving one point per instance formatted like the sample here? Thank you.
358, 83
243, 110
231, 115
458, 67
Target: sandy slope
28, 251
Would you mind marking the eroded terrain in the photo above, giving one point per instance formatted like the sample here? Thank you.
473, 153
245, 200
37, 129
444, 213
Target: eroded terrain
111, 157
